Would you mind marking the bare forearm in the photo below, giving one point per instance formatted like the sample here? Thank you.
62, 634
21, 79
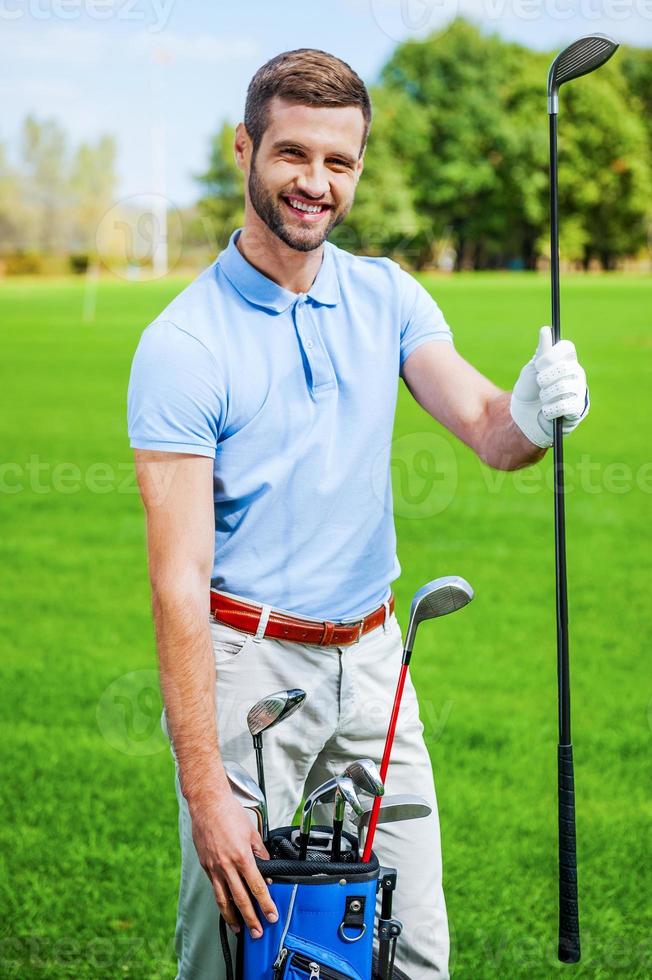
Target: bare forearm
188, 684
500, 443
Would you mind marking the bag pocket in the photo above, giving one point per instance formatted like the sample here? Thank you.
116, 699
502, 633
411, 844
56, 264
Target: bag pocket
306, 962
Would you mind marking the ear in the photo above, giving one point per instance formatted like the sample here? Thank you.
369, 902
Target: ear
242, 147
359, 167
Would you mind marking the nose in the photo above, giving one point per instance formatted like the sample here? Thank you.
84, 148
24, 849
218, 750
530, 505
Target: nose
314, 180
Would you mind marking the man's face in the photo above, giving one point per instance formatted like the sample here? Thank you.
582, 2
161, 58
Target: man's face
302, 179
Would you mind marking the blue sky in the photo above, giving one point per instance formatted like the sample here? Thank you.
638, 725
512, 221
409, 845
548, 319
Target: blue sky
122, 66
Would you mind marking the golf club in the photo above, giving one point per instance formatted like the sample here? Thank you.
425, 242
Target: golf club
579, 58
437, 598
366, 778
265, 714
394, 807
322, 794
248, 793
344, 793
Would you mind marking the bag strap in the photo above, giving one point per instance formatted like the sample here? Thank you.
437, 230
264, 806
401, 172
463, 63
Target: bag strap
226, 952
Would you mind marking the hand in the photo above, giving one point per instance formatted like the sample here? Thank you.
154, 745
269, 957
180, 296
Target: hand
226, 842
552, 385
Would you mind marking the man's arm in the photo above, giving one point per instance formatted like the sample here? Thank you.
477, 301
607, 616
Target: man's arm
469, 405
177, 492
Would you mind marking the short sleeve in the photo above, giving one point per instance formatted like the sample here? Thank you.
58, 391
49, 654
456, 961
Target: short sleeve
421, 318
176, 397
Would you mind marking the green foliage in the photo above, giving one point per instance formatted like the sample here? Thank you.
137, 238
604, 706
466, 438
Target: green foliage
222, 203
458, 151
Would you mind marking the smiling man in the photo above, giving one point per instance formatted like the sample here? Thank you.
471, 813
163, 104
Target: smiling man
261, 407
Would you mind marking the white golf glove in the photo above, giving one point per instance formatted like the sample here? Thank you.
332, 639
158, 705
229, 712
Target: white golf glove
552, 385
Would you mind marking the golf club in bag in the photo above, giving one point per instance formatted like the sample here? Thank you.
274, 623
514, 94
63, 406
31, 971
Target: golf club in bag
579, 58
438, 598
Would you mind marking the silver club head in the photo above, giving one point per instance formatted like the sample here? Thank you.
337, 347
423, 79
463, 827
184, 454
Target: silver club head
579, 58
274, 708
247, 791
345, 793
366, 777
438, 598
322, 794
394, 807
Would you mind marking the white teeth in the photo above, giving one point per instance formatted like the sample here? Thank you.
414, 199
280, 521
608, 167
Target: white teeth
309, 208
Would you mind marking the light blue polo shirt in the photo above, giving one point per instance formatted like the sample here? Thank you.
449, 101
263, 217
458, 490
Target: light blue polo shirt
294, 396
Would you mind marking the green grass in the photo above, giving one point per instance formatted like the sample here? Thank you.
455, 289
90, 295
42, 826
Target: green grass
89, 869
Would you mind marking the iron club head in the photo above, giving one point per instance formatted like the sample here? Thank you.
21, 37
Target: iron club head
365, 776
579, 58
247, 792
401, 806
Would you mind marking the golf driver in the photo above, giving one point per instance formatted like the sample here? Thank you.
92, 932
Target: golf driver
248, 793
366, 779
394, 807
579, 58
437, 598
265, 714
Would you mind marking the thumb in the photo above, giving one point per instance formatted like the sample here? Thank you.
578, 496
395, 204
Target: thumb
545, 341
258, 847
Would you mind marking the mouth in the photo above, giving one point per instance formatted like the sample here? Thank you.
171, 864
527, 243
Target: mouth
306, 211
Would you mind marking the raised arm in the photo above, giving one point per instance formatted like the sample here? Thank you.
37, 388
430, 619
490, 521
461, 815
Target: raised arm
177, 494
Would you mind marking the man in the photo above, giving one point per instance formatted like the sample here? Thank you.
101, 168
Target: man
261, 406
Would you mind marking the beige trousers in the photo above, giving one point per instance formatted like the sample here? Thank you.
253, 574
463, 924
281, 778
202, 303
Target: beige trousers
350, 695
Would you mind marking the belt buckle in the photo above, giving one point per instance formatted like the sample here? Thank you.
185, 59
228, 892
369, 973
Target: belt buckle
360, 629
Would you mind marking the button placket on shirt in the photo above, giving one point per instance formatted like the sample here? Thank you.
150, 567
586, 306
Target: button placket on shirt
321, 369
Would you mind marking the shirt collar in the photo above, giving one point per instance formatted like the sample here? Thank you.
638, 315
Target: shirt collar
261, 291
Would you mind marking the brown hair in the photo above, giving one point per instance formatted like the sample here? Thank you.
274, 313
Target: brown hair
306, 76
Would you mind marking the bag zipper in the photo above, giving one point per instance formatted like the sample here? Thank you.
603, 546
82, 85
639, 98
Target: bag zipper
315, 970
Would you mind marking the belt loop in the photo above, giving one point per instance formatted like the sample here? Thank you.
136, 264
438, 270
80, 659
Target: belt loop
387, 615
262, 623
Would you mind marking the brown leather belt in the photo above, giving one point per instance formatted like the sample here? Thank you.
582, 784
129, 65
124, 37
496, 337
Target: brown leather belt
245, 616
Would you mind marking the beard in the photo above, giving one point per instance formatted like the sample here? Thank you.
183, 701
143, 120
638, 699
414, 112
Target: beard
270, 211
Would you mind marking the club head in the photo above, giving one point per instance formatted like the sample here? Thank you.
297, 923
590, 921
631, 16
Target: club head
438, 598
274, 708
400, 806
322, 794
365, 776
579, 58
345, 793
246, 790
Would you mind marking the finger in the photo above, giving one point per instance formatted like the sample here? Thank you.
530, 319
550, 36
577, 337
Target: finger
258, 847
562, 351
545, 341
258, 888
225, 904
570, 408
567, 386
242, 899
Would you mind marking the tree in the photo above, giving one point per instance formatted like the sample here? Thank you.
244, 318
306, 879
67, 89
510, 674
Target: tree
385, 218
92, 185
222, 203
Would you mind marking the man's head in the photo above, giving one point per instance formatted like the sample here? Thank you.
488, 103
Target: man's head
301, 146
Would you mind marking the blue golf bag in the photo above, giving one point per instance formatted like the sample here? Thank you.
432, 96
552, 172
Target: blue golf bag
327, 919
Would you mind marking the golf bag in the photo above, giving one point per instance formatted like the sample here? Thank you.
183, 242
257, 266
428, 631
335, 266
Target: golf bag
327, 918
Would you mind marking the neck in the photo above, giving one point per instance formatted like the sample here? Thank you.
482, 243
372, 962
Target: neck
289, 268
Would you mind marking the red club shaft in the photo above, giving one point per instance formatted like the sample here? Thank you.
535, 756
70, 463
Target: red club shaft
384, 765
